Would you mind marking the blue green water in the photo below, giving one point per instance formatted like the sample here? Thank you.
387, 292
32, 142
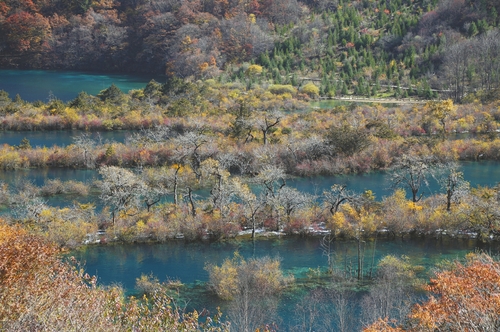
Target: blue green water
484, 173
186, 261
34, 85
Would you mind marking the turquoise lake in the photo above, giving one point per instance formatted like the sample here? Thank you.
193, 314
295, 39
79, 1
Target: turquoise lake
179, 260
33, 85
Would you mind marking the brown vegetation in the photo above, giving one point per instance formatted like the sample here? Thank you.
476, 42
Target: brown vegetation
40, 292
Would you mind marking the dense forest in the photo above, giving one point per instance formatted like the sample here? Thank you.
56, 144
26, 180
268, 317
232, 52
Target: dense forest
399, 48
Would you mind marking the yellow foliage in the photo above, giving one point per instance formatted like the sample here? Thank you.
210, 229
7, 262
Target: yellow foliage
11, 159
46, 214
70, 115
412, 206
233, 94
203, 66
264, 275
338, 222
8, 232
141, 227
311, 89
254, 70
134, 117
225, 277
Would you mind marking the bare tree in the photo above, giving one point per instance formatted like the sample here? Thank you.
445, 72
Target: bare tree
120, 189
453, 183
154, 189
252, 204
266, 122
27, 204
155, 135
336, 196
222, 191
85, 143
412, 172
272, 178
392, 293
341, 305
189, 150
457, 62
289, 200
308, 313
326, 310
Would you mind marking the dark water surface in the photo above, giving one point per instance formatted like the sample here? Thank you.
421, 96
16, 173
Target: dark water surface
186, 261
61, 138
34, 85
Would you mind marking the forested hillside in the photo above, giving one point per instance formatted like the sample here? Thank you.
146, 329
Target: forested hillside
366, 47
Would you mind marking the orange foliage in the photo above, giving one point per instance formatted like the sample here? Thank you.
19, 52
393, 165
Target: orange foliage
39, 292
466, 298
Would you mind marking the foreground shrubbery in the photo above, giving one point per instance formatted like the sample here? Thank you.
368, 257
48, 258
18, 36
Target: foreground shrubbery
39, 292
463, 298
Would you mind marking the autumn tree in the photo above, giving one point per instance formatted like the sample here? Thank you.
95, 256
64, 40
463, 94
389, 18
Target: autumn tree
252, 286
40, 292
26, 32
120, 189
356, 221
441, 111
462, 298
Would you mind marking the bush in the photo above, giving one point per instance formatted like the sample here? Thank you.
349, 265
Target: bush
311, 90
262, 275
279, 89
